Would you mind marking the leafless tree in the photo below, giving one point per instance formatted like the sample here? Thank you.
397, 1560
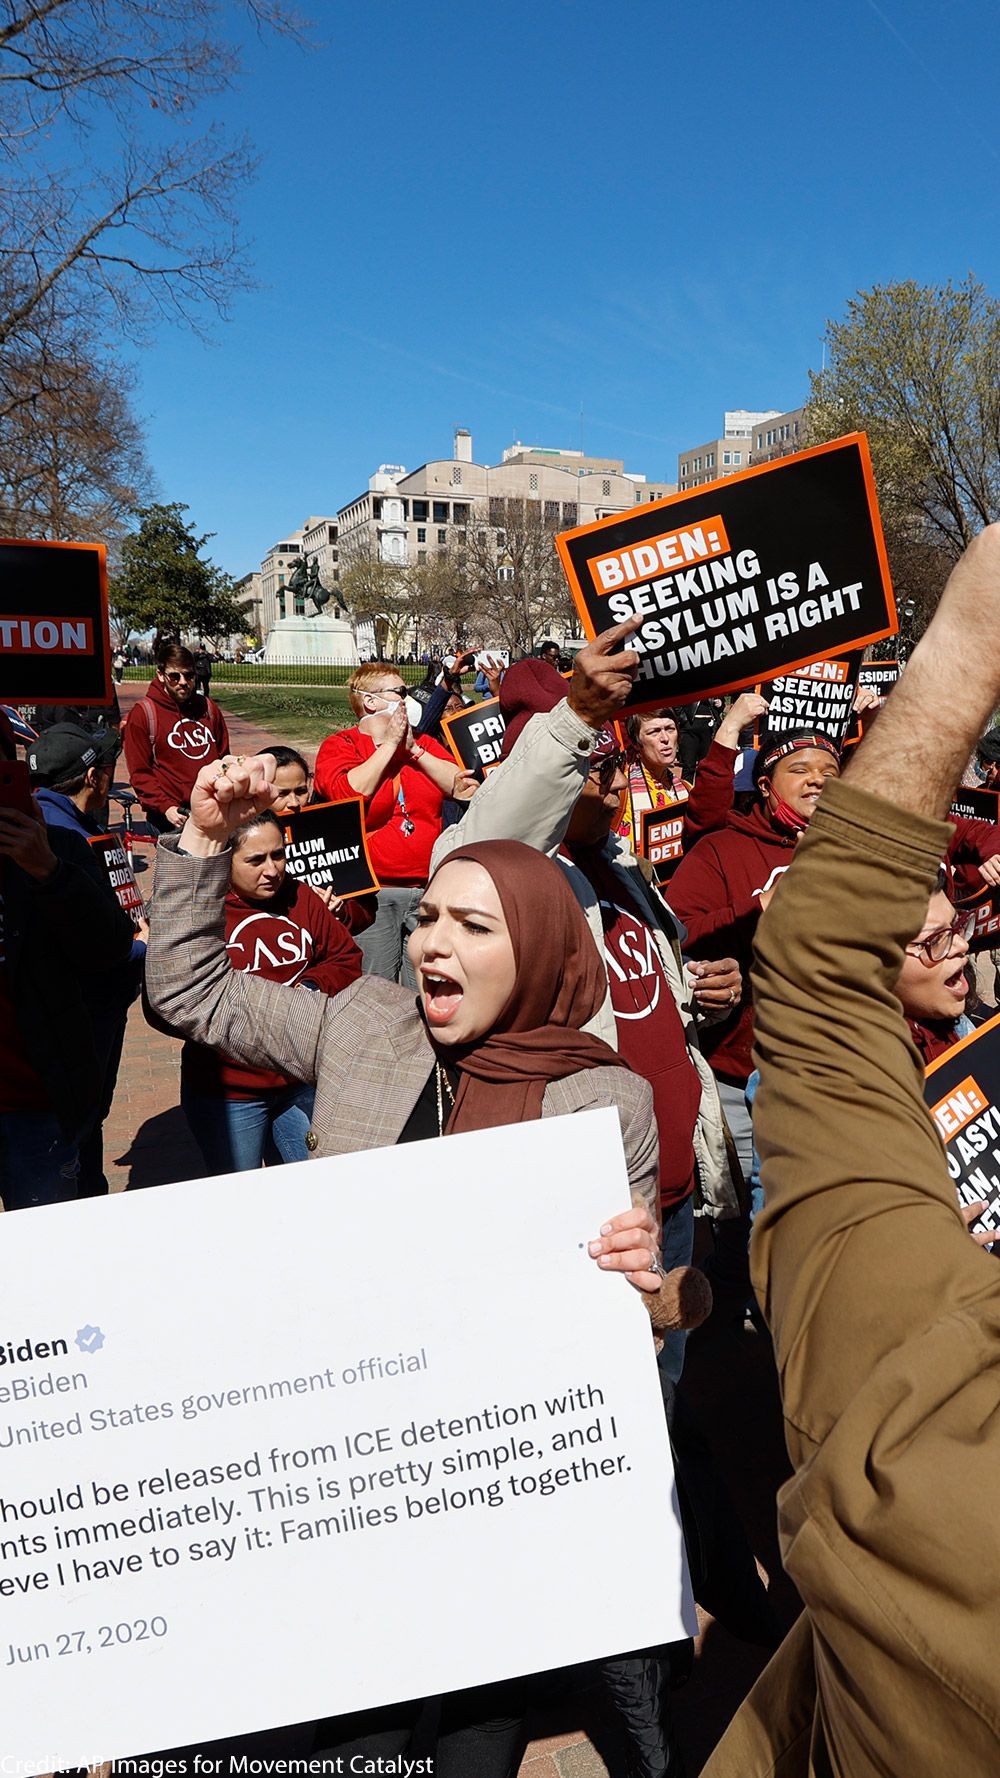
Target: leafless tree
72, 462
115, 208
514, 576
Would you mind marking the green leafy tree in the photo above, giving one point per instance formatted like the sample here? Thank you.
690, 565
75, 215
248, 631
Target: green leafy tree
917, 367
164, 583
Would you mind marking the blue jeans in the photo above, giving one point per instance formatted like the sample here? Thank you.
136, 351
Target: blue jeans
676, 1248
236, 1135
38, 1165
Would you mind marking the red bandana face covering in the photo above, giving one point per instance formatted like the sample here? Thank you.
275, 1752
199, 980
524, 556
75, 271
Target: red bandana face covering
784, 816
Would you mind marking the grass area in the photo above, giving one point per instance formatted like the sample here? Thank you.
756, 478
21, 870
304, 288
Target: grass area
328, 674
293, 715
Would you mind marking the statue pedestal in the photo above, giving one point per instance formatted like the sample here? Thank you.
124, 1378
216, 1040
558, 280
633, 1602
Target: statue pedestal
314, 639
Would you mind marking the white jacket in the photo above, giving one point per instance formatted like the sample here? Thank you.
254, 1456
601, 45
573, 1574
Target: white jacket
530, 797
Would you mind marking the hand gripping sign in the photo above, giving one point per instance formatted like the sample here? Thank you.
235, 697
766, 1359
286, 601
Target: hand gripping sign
754, 575
242, 1488
475, 735
114, 861
962, 1090
328, 843
54, 645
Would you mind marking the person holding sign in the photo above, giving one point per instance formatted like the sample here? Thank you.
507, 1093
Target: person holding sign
404, 782
508, 980
559, 789
280, 930
654, 775
885, 1316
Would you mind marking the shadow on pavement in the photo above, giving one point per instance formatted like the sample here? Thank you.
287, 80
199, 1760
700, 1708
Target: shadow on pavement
162, 1152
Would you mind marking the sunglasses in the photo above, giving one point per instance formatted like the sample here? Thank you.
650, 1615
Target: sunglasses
175, 678
604, 766
391, 691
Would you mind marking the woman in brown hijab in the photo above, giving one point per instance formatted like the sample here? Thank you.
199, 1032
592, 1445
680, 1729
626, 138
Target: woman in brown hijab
508, 977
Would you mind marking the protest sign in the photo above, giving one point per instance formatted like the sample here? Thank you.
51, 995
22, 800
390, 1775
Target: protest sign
243, 1487
54, 644
771, 568
879, 677
962, 1089
975, 805
328, 843
660, 840
985, 934
475, 735
114, 861
819, 696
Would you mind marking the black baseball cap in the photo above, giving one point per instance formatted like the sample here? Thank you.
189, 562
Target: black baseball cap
64, 751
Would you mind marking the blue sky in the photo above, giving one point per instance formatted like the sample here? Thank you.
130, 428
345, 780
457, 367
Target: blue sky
487, 215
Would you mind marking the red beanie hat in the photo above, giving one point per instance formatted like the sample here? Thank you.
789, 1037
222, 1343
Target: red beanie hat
526, 688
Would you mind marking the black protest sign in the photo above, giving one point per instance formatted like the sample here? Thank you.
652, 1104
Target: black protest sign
327, 843
475, 735
819, 696
879, 677
985, 934
114, 861
975, 805
962, 1089
755, 575
662, 831
54, 645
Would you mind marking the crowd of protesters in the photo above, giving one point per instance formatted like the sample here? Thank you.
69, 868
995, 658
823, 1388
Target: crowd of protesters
522, 960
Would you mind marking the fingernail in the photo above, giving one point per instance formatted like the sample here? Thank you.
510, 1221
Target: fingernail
606, 1228
605, 1259
595, 1247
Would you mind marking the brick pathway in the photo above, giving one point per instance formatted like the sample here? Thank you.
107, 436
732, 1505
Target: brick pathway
733, 1391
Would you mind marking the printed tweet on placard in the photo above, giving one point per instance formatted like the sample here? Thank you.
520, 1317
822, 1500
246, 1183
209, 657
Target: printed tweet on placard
255, 1437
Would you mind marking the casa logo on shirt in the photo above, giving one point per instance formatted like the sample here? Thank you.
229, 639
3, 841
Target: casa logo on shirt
191, 738
632, 956
270, 944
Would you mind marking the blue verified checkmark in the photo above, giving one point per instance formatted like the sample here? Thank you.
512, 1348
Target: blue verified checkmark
90, 1339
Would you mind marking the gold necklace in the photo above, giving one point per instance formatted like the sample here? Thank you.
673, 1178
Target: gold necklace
445, 1083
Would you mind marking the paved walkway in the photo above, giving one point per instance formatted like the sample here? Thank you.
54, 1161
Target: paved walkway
729, 1383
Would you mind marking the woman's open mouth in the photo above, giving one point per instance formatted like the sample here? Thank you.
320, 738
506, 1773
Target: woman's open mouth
957, 983
441, 997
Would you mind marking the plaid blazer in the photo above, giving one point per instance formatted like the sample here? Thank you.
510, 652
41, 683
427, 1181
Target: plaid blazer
366, 1049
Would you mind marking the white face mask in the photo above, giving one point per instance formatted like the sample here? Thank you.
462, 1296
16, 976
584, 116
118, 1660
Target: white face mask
414, 711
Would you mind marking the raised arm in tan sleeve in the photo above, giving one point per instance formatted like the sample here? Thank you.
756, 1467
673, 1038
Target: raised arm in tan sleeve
190, 984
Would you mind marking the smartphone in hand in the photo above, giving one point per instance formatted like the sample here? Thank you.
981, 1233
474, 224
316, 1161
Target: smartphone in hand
15, 787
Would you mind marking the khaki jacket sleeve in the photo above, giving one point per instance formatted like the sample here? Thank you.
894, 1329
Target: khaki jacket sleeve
190, 984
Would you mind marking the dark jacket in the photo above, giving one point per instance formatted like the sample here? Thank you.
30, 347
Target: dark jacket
58, 934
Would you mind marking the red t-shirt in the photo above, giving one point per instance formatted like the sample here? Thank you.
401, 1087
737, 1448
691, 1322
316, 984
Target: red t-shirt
405, 797
20, 1087
650, 1034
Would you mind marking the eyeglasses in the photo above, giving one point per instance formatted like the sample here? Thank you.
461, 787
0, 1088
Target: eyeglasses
604, 766
391, 691
937, 945
175, 678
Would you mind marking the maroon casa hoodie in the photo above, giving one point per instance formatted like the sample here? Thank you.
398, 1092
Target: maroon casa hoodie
293, 939
163, 766
715, 891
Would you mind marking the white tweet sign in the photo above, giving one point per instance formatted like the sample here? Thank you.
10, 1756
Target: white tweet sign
256, 1433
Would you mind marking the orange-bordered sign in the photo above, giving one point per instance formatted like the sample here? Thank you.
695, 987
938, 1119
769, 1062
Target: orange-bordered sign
54, 641
742, 579
660, 839
114, 860
327, 843
475, 735
962, 1093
